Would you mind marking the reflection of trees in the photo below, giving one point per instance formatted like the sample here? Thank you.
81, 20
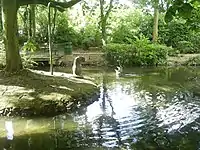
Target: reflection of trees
166, 79
106, 121
151, 135
46, 141
176, 89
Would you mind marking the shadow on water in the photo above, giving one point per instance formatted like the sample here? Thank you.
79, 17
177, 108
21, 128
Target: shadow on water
156, 109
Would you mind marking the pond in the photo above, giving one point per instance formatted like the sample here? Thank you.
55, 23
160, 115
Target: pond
146, 109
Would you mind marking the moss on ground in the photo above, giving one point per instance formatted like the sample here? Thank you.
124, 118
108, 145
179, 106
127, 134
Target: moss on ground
38, 93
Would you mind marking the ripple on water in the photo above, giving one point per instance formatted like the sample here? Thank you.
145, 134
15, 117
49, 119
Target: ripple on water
128, 113
125, 114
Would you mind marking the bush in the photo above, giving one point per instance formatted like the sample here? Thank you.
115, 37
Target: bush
139, 53
122, 52
185, 47
90, 37
30, 45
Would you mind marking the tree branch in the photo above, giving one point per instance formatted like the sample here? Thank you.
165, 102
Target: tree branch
101, 7
58, 5
109, 9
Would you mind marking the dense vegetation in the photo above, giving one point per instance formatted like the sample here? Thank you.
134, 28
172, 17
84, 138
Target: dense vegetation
93, 24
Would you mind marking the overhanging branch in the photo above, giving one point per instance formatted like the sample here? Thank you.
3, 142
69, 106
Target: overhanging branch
58, 5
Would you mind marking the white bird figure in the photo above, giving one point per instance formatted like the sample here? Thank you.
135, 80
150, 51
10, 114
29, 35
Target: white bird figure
118, 71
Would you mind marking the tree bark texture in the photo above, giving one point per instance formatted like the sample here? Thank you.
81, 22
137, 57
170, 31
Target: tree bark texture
13, 59
155, 25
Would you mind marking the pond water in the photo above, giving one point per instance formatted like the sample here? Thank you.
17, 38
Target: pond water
147, 109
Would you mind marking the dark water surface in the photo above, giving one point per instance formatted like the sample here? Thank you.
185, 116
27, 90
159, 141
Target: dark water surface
147, 109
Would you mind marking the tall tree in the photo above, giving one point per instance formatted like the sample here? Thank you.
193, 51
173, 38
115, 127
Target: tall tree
10, 8
157, 7
104, 14
156, 17
13, 59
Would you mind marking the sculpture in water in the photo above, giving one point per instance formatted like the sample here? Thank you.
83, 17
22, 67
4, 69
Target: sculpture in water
77, 67
119, 69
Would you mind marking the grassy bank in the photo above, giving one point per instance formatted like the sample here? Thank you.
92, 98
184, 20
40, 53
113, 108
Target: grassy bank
38, 93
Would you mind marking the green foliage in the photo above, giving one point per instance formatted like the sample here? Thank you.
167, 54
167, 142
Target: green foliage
30, 45
139, 53
179, 35
90, 37
173, 32
28, 62
185, 47
64, 32
122, 52
124, 26
129, 28
42, 24
179, 8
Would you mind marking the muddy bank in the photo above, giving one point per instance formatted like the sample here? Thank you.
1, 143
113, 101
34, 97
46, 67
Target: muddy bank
37, 93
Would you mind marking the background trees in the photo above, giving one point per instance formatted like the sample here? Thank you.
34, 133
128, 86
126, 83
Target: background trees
10, 28
88, 22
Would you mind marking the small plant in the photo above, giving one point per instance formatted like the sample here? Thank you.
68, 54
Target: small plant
30, 45
28, 62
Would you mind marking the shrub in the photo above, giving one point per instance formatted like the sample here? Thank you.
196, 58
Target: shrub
185, 47
122, 52
90, 37
136, 54
30, 45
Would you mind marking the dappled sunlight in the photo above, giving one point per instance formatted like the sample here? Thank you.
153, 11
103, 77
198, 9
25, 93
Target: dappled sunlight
37, 93
55, 74
11, 90
51, 96
130, 110
69, 77
62, 87
178, 115
12, 94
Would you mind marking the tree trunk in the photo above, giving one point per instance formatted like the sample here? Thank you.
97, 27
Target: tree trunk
50, 40
102, 22
31, 21
1, 22
54, 23
13, 59
155, 25
104, 17
103, 31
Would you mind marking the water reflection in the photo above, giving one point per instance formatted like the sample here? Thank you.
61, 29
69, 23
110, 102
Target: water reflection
154, 110
9, 135
133, 116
